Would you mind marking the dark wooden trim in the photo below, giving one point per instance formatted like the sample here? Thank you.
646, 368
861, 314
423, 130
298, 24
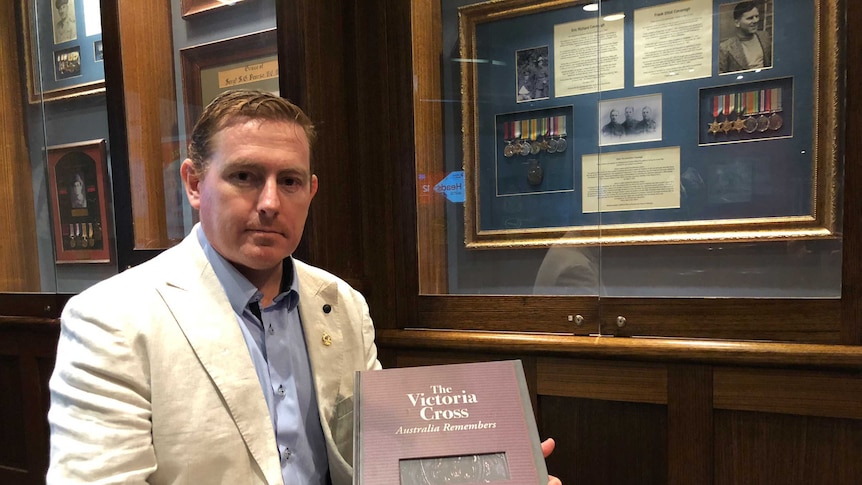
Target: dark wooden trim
115, 95
690, 425
39, 305
692, 351
851, 294
789, 320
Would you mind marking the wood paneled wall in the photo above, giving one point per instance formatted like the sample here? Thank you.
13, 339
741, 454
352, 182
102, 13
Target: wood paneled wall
646, 419
19, 263
27, 350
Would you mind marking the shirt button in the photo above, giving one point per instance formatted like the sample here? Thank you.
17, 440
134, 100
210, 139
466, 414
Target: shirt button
286, 454
271, 330
280, 391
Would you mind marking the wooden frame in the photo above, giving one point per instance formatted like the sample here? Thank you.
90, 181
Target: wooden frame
77, 176
50, 79
189, 8
484, 228
210, 69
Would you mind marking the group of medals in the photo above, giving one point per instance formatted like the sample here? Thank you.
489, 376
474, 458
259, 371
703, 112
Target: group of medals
756, 111
83, 235
530, 137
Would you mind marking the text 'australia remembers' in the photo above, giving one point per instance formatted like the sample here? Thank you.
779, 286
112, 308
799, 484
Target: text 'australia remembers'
442, 404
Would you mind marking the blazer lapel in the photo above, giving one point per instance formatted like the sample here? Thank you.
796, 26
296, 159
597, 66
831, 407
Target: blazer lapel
205, 316
320, 312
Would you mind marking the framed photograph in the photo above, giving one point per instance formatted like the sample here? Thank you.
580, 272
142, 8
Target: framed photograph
77, 179
98, 51
189, 8
58, 67
248, 61
745, 36
630, 120
534, 80
663, 146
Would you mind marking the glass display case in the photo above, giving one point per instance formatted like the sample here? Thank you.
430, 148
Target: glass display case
631, 152
106, 191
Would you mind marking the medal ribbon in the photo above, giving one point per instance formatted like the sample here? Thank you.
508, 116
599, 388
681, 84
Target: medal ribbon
776, 99
561, 125
534, 128
729, 104
716, 107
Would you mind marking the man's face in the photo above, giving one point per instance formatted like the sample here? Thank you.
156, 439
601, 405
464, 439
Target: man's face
630, 113
63, 10
615, 116
647, 113
749, 20
255, 194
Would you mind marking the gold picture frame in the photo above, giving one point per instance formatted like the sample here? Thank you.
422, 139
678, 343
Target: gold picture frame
819, 219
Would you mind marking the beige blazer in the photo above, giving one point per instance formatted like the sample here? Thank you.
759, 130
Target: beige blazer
153, 382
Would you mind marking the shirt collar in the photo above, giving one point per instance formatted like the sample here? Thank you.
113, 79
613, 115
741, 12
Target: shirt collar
240, 292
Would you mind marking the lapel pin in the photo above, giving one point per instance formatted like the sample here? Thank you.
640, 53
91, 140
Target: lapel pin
327, 339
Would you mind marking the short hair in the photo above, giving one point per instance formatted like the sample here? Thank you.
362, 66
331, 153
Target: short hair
741, 8
240, 105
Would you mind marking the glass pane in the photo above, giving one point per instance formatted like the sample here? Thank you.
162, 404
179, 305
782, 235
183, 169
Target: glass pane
67, 132
621, 149
65, 235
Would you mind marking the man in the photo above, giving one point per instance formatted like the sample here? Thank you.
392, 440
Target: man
630, 124
614, 127
224, 359
64, 21
748, 48
78, 195
646, 124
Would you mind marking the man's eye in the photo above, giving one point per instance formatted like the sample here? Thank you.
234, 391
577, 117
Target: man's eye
241, 176
291, 182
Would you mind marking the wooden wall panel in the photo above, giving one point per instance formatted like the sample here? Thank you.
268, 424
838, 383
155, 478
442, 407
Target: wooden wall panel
27, 351
19, 264
605, 442
612, 381
690, 424
809, 393
151, 115
12, 432
759, 448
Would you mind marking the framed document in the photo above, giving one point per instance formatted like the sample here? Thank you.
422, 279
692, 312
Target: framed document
62, 49
77, 175
671, 133
435, 425
248, 61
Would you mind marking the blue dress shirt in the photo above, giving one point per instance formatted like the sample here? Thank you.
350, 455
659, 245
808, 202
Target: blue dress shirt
276, 343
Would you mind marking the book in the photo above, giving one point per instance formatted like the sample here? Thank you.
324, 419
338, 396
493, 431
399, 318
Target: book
446, 424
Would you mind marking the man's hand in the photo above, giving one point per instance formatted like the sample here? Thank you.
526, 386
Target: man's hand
548, 447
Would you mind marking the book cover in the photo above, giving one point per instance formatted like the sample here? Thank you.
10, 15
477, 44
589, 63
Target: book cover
446, 424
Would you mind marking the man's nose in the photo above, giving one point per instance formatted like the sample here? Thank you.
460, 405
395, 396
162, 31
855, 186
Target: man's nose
269, 200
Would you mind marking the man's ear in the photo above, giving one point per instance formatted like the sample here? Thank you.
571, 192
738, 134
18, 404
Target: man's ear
191, 183
314, 184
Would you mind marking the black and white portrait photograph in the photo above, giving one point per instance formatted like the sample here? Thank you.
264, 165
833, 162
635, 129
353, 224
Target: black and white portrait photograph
98, 52
533, 74
63, 15
745, 36
630, 120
